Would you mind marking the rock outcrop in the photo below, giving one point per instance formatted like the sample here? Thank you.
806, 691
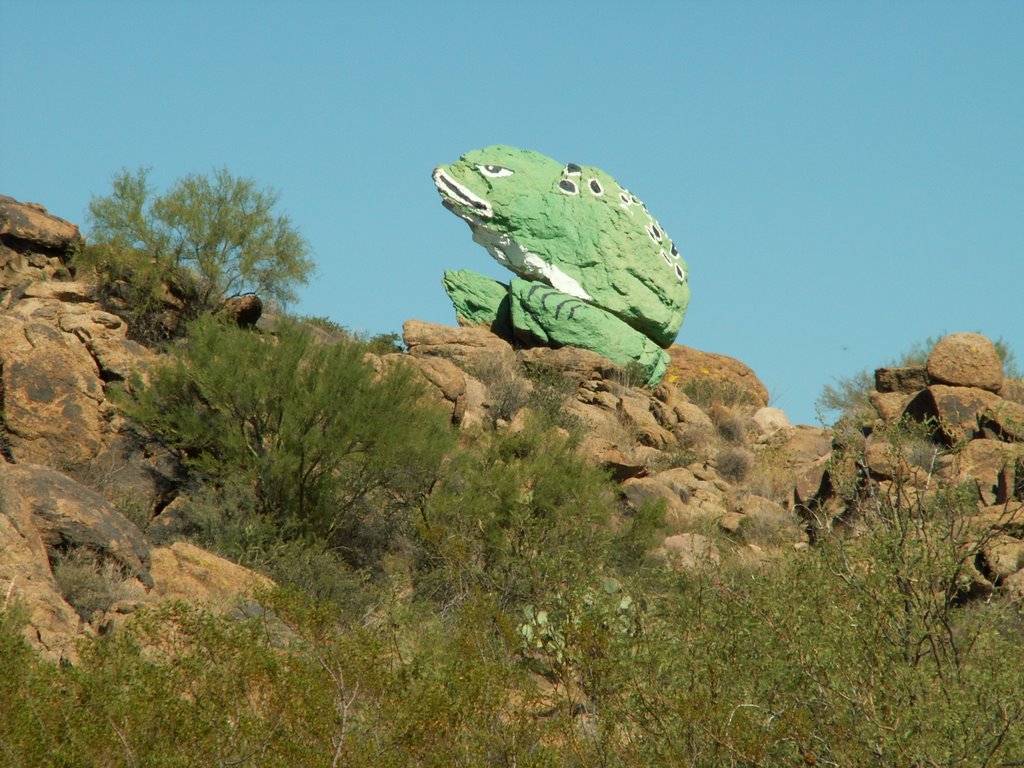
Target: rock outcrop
72, 469
962, 426
662, 447
595, 270
735, 481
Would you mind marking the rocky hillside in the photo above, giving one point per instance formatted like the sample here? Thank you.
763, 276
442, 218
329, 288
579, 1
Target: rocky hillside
85, 493
78, 483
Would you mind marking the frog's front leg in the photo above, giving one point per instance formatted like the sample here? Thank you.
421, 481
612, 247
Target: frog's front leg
479, 300
545, 315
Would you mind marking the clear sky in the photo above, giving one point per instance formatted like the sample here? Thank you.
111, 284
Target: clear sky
844, 178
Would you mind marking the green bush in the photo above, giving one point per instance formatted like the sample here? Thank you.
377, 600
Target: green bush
186, 252
328, 448
514, 516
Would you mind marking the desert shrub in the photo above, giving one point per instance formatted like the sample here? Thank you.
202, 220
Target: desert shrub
187, 251
309, 427
514, 516
707, 392
551, 390
89, 582
507, 390
734, 464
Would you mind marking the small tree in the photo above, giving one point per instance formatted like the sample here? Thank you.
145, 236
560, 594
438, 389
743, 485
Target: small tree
208, 239
326, 445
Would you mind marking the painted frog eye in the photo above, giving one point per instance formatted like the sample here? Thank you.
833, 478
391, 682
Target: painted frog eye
494, 171
567, 187
572, 170
595, 187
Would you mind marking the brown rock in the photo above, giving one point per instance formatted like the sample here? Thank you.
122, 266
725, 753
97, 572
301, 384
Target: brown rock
185, 572
770, 420
811, 482
689, 551
955, 409
26, 579
1013, 585
33, 224
1013, 390
458, 344
688, 364
692, 416
986, 463
635, 412
245, 310
68, 515
617, 463
52, 394
644, 490
577, 364
766, 521
1002, 556
889, 405
908, 380
966, 360
443, 374
1007, 420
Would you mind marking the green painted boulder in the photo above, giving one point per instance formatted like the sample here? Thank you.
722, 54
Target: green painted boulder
478, 300
573, 228
541, 314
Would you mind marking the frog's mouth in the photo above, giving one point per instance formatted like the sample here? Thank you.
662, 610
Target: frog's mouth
457, 196
479, 214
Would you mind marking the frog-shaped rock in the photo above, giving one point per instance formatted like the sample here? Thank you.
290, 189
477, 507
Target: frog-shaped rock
616, 283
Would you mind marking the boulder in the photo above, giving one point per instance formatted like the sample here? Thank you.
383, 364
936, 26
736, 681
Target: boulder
69, 515
908, 380
32, 224
245, 311
573, 228
183, 571
635, 412
576, 364
460, 345
770, 420
991, 465
53, 394
543, 315
1002, 556
966, 360
955, 410
688, 364
889, 405
26, 578
689, 551
1013, 390
643, 490
1006, 419
479, 300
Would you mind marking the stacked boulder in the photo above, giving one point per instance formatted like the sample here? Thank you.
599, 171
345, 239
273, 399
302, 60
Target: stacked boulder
964, 424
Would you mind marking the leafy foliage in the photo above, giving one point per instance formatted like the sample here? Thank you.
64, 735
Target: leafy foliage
186, 252
309, 428
515, 516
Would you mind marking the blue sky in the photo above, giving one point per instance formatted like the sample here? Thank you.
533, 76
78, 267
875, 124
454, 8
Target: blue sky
844, 178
